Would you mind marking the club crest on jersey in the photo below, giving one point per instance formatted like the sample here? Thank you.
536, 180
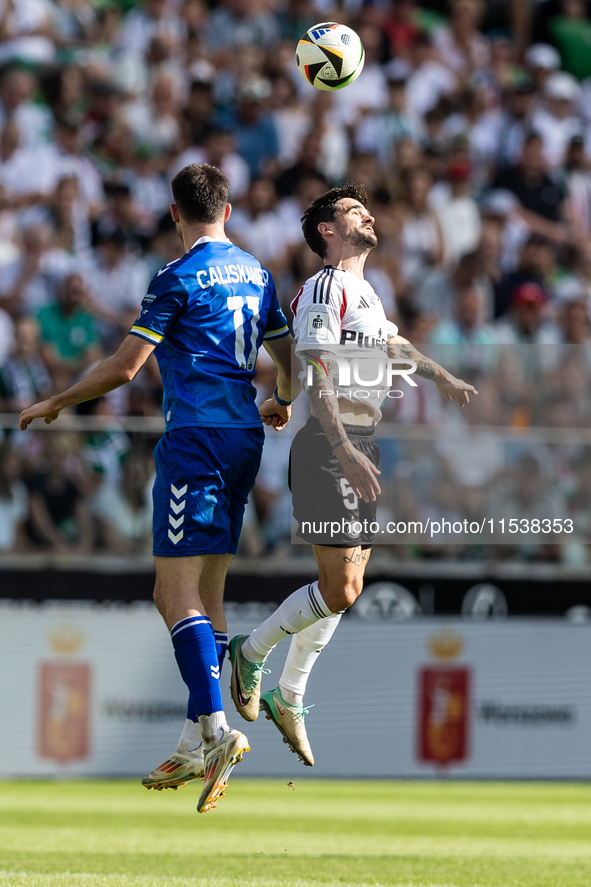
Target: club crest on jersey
318, 325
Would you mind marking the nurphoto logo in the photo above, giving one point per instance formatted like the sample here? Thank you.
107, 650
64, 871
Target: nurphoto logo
379, 373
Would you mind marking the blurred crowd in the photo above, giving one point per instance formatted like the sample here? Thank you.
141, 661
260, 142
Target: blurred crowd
473, 143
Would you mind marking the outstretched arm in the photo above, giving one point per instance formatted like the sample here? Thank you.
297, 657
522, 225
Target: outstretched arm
111, 373
451, 388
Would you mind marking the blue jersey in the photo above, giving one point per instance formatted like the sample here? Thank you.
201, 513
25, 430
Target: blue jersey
208, 314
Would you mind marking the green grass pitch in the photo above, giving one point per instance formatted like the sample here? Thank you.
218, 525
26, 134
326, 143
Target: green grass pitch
268, 834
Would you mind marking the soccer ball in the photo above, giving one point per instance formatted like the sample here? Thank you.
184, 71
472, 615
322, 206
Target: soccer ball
330, 56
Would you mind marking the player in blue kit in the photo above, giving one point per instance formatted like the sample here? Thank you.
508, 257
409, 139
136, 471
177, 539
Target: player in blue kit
205, 317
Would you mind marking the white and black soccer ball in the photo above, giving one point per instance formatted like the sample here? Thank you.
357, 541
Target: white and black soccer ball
330, 56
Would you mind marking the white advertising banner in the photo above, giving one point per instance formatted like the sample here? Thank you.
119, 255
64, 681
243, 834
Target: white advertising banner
93, 690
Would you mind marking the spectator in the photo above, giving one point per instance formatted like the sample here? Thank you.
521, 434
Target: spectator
149, 191
23, 376
30, 281
540, 197
149, 19
436, 296
402, 28
466, 327
515, 123
557, 123
104, 452
257, 226
541, 60
369, 93
165, 246
69, 218
578, 185
218, 149
459, 217
291, 119
378, 133
572, 32
527, 495
254, 129
291, 209
69, 337
17, 87
25, 180
236, 24
59, 519
430, 80
156, 122
64, 157
124, 510
307, 165
574, 323
124, 216
14, 501
461, 46
420, 242
6, 335
536, 263
525, 324
197, 115
118, 281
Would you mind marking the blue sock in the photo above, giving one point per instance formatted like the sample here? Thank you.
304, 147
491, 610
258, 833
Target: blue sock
196, 656
221, 645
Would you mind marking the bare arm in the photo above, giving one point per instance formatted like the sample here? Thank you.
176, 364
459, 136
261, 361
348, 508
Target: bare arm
451, 388
272, 412
113, 372
279, 350
357, 468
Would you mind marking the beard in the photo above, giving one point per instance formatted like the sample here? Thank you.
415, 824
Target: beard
179, 232
365, 241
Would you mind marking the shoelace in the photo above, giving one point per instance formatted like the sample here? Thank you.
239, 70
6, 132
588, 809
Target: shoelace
255, 669
301, 713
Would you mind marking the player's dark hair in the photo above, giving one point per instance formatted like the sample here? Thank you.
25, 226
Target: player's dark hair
324, 210
200, 192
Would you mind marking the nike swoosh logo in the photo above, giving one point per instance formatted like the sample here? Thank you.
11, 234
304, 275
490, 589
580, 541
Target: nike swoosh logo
243, 701
280, 710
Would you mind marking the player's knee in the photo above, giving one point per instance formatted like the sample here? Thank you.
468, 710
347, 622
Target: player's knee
339, 595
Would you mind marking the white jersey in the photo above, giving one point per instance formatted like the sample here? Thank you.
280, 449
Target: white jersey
337, 312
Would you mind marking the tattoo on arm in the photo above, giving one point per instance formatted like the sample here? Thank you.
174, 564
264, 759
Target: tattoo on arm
324, 399
426, 368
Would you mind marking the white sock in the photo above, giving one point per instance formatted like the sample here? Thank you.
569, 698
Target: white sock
211, 726
304, 650
301, 609
190, 737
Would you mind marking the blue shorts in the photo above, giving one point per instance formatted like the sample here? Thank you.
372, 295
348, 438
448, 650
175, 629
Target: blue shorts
203, 479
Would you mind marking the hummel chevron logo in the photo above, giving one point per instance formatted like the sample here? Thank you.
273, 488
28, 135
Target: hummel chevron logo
215, 671
177, 506
178, 493
176, 521
176, 539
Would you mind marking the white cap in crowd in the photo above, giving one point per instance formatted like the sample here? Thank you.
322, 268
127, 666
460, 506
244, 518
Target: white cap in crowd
561, 85
542, 55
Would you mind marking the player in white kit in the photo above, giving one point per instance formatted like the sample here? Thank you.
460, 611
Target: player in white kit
334, 457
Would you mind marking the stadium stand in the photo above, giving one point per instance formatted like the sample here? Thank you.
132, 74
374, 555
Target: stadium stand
477, 157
